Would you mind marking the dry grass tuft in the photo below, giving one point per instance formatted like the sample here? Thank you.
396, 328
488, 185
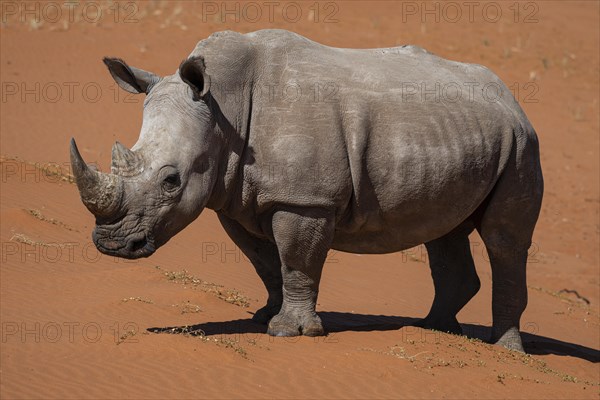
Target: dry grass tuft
231, 296
188, 308
141, 300
52, 171
22, 238
38, 214
224, 341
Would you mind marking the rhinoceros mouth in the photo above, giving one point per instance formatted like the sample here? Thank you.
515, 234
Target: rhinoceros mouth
135, 246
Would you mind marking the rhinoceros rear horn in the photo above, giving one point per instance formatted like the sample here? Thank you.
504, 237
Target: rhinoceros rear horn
101, 193
193, 72
124, 161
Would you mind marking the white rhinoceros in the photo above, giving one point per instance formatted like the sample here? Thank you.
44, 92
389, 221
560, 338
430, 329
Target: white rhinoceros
301, 148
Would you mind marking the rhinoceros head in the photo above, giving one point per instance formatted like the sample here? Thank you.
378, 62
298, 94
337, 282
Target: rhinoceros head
163, 183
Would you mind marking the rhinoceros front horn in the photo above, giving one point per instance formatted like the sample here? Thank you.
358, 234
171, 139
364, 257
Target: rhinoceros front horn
101, 193
124, 161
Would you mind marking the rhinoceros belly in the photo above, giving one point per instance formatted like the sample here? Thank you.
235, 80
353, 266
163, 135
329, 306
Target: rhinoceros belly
416, 179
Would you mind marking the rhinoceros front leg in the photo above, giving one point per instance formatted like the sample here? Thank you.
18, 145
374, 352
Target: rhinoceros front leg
303, 237
264, 257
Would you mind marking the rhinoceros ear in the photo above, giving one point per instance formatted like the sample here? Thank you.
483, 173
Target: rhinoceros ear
131, 79
193, 72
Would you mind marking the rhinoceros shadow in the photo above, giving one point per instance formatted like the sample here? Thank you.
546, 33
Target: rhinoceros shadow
335, 322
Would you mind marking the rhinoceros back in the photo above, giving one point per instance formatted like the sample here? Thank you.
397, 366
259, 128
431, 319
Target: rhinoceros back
385, 137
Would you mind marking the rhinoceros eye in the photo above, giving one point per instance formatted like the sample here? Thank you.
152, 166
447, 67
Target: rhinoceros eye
171, 182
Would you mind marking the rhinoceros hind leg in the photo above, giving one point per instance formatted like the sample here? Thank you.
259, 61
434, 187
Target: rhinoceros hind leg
446, 324
511, 339
303, 237
454, 278
506, 227
265, 259
263, 315
509, 289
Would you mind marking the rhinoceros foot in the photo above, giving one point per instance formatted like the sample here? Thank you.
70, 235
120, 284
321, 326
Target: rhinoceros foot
511, 339
293, 324
264, 315
442, 324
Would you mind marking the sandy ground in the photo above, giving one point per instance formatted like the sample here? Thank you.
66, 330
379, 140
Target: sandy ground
77, 324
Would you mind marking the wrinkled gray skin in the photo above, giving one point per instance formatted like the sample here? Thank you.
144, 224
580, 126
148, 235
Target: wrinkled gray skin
363, 167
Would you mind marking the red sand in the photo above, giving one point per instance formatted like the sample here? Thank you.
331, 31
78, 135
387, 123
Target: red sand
76, 324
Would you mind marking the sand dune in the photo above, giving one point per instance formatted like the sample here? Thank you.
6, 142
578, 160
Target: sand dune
78, 324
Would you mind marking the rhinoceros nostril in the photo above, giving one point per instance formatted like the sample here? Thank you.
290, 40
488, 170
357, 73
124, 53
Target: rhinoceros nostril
137, 244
